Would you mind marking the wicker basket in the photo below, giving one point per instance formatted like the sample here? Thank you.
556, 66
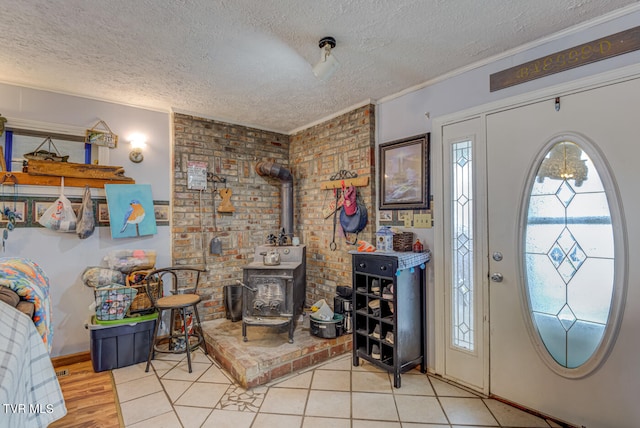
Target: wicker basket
137, 280
403, 241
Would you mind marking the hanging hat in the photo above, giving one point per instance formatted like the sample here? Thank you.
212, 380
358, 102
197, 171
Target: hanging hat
350, 205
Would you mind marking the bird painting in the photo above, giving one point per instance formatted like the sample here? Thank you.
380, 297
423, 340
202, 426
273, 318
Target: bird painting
131, 210
134, 215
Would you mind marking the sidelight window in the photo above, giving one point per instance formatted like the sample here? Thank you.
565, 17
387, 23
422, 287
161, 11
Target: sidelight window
462, 295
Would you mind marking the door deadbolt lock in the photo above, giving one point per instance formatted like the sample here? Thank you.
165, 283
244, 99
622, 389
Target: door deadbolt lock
496, 277
497, 256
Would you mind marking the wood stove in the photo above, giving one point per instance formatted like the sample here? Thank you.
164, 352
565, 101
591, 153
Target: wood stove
274, 295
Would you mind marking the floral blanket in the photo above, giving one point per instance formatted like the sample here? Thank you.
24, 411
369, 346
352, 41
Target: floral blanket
28, 280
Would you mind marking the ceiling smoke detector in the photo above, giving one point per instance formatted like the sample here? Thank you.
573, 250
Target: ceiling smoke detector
328, 63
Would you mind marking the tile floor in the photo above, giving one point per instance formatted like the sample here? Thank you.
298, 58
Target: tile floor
333, 394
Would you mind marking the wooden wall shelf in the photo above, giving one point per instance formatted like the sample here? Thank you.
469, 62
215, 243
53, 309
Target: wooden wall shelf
336, 184
45, 180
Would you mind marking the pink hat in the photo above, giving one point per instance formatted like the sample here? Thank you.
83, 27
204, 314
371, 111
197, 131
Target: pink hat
350, 205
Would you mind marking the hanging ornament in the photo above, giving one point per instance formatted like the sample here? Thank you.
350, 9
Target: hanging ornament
11, 216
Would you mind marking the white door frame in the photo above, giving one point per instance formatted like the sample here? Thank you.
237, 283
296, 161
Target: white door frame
438, 170
467, 367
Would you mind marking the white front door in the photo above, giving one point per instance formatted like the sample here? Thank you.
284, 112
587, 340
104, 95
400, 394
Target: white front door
465, 279
608, 117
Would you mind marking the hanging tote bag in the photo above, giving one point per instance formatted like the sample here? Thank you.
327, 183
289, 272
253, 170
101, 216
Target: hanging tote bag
86, 218
356, 222
59, 216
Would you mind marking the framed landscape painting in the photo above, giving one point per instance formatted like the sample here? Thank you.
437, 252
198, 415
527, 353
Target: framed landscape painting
404, 174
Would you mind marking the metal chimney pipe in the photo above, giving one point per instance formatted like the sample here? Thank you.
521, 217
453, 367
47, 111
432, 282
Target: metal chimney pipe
272, 169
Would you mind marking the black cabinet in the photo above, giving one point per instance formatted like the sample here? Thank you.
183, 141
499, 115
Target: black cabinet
389, 312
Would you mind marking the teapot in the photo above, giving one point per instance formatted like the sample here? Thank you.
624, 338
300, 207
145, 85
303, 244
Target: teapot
271, 258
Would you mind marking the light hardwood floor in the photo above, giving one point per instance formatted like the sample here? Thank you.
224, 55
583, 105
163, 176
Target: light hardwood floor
90, 398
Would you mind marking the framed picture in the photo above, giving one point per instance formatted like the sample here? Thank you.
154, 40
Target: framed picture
386, 216
39, 207
405, 215
19, 208
103, 213
162, 213
404, 169
131, 210
75, 206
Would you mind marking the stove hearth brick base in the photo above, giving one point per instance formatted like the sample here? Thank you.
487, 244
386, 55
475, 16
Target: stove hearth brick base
267, 355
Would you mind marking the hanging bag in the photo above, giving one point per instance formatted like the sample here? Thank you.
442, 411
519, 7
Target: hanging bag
354, 223
59, 216
86, 218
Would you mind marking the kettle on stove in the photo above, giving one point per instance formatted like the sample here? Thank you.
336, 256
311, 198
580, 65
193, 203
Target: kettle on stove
271, 257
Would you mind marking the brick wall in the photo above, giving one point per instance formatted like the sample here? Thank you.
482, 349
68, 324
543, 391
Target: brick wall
231, 151
346, 142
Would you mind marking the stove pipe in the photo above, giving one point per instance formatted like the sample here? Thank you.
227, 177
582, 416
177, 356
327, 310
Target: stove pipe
275, 170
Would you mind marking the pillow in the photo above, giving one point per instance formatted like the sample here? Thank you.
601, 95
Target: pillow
9, 296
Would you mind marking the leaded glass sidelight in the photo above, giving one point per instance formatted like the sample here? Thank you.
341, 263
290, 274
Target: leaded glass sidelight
569, 255
462, 246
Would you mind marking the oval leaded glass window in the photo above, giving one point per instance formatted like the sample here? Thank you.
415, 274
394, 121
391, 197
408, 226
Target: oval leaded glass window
570, 257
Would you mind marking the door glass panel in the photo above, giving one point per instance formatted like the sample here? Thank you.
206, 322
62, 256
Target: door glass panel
462, 301
569, 255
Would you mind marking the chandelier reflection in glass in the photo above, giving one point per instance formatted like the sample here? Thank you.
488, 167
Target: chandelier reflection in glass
564, 163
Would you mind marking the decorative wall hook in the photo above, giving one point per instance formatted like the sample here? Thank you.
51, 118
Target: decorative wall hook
215, 178
344, 178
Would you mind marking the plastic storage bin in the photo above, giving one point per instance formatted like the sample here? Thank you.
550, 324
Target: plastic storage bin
120, 345
327, 329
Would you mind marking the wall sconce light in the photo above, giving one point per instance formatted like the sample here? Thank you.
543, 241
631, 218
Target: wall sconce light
138, 142
328, 63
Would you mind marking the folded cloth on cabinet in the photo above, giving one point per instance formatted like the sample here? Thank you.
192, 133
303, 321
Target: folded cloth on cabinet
29, 281
29, 390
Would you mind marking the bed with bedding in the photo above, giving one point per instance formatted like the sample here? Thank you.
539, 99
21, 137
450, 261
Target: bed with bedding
26, 279
30, 395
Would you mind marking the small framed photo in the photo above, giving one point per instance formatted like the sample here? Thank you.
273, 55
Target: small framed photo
162, 213
385, 215
19, 208
75, 206
39, 207
404, 169
405, 215
103, 213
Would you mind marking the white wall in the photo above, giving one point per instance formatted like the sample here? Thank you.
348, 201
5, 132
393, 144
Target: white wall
64, 256
404, 116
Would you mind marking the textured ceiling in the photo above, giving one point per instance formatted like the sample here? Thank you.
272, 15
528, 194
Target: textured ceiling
249, 61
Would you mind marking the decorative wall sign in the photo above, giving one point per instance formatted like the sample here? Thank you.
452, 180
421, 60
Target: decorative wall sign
197, 175
101, 135
404, 178
586, 53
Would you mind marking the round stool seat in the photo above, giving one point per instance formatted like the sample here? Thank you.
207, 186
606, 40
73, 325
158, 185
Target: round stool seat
177, 301
184, 328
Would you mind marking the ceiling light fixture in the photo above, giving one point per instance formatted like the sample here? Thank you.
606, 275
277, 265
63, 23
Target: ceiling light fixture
328, 63
564, 163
